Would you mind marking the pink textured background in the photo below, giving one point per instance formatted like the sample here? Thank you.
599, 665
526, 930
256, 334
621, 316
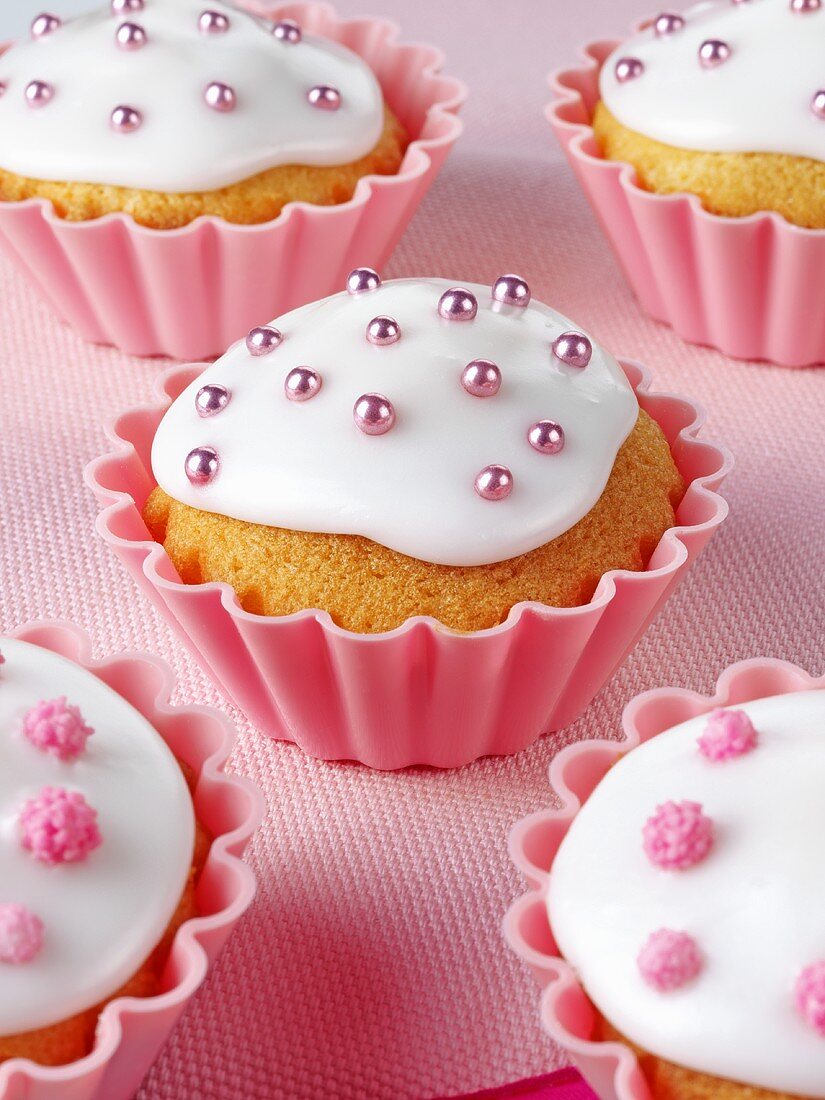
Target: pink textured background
372, 963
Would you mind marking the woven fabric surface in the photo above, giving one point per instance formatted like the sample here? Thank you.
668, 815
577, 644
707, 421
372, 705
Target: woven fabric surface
372, 963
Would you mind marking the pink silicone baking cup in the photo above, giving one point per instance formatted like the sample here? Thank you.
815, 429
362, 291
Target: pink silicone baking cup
132, 1030
189, 293
611, 1068
420, 694
750, 287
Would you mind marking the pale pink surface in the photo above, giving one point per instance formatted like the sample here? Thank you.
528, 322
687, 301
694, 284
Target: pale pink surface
372, 964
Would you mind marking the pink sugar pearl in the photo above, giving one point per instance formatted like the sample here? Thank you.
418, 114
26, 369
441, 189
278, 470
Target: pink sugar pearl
57, 727
729, 733
669, 960
809, 995
678, 836
21, 934
59, 826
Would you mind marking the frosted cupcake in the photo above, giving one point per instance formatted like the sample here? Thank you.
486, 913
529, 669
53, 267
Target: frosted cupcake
726, 102
411, 448
100, 852
172, 109
687, 898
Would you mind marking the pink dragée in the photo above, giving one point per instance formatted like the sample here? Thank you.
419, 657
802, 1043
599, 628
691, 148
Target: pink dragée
728, 734
59, 826
21, 934
677, 836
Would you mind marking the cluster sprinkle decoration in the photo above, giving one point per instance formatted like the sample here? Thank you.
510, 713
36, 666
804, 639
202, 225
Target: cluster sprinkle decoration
44, 24
125, 120
494, 482
728, 734
57, 727
383, 330
457, 304
511, 290
59, 826
573, 348
678, 836
373, 414
263, 340
324, 97
213, 22
302, 383
131, 36
628, 68
202, 465
220, 97
288, 31
211, 399
39, 93
669, 960
362, 279
21, 934
809, 994
668, 23
481, 378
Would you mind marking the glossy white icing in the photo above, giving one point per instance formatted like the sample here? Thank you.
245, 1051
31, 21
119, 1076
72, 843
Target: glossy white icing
182, 144
755, 905
306, 466
102, 917
759, 100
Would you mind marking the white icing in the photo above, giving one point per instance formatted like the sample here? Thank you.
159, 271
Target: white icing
759, 100
308, 467
105, 915
182, 145
755, 905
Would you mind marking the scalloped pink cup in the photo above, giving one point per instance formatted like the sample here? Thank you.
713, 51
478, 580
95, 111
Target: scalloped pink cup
611, 1068
117, 282
131, 1031
750, 287
420, 694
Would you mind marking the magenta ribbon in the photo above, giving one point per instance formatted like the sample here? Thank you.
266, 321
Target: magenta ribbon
566, 1084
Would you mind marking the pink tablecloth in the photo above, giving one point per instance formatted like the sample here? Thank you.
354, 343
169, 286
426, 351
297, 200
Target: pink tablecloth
372, 964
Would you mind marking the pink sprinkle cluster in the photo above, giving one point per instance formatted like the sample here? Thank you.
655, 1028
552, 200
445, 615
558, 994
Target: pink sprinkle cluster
21, 934
57, 727
59, 826
728, 734
810, 996
679, 835
669, 960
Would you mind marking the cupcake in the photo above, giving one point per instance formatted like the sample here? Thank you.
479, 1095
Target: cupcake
688, 877
157, 144
101, 850
446, 504
168, 110
700, 142
411, 448
688, 102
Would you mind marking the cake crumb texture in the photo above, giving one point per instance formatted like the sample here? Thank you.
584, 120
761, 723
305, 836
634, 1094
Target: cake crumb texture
250, 202
733, 185
368, 588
